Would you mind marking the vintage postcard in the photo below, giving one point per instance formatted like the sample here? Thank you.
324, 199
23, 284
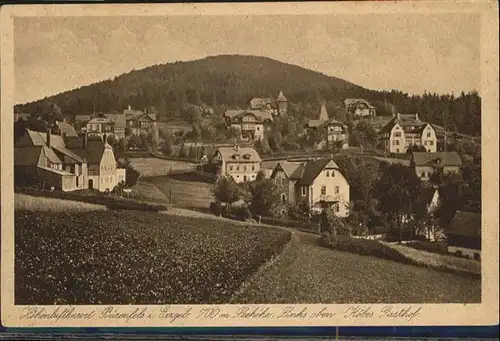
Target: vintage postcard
250, 164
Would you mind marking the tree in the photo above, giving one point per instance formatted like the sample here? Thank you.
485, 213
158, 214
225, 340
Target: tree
333, 224
192, 152
226, 190
300, 213
122, 145
167, 144
452, 190
262, 146
396, 192
261, 175
265, 198
152, 140
182, 151
193, 116
131, 174
135, 141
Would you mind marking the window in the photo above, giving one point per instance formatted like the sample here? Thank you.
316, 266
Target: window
304, 189
283, 198
337, 208
245, 168
327, 174
431, 143
253, 167
282, 181
397, 134
231, 167
238, 168
428, 134
333, 174
257, 128
336, 189
323, 190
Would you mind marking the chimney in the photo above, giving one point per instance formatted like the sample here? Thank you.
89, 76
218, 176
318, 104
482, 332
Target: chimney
84, 137
104, 139
129, 107
416, 117
48, 137
397, 115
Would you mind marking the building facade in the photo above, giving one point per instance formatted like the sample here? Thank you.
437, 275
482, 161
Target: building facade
250, 123
405, 131
427, 164
242, 164
359, 108
67, 163
318, 183
332, 132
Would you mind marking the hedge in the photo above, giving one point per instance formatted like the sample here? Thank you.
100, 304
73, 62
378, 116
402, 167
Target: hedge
112, 203
364, 247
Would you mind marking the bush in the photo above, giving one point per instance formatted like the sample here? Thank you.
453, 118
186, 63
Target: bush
216, 208
243, 212
363, 247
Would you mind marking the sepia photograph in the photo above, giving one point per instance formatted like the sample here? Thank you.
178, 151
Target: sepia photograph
240, 159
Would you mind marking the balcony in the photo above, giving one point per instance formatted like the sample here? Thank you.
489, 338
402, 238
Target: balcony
329, 197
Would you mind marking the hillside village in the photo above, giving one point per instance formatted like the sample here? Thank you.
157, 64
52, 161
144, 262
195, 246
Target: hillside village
354, 169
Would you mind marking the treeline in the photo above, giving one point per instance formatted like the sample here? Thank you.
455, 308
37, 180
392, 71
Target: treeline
232, 81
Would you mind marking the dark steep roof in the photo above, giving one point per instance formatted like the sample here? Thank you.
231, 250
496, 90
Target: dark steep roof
27, 156
438, 158
312, 169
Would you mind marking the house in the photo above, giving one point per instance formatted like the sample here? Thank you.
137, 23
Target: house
464, 235
55, 164
319, 183
251, 123
242, 164
426, 164
103, 173
81, 162
131, 122
405, 131
332, 132
359, 108
277, 106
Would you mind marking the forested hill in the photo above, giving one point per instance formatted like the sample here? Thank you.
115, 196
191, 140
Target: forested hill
226, 80
232, 80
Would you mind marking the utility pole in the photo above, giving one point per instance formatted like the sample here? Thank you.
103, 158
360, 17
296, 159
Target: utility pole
170, 186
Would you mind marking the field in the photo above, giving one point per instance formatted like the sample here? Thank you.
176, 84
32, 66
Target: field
131, 257
307, 273
184, 192
38, 204
154, 166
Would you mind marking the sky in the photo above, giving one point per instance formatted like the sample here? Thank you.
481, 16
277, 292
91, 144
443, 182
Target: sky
409, 52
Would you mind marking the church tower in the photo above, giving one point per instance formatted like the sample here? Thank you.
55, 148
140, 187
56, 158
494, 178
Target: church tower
282, 104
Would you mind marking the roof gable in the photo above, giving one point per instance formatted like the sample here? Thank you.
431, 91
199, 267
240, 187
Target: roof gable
313, 168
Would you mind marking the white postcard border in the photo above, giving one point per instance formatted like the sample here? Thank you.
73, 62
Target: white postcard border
485, 313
